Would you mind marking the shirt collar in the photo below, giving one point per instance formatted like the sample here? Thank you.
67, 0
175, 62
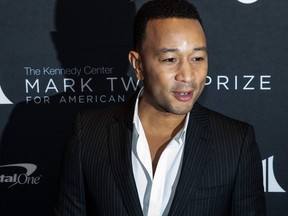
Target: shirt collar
136, 120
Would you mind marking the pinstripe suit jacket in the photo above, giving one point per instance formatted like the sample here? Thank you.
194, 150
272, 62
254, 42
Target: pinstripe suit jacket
221, 172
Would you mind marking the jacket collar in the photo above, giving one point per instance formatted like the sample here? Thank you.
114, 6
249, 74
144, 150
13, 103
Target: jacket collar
120, 138
198, 147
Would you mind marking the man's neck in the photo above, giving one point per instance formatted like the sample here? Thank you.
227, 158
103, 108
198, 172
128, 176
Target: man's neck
160, 121
160, 128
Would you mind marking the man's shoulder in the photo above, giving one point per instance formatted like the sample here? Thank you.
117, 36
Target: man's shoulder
225, 129
219, 120
107, 113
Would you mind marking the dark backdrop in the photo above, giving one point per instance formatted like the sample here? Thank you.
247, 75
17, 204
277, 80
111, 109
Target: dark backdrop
61, 56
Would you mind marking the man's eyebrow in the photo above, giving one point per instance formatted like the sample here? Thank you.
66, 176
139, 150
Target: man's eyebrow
166, 50
203, 48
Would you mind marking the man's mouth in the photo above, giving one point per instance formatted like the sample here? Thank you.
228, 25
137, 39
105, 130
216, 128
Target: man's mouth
183, 96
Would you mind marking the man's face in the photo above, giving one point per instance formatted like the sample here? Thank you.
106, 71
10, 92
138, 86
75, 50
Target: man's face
173, 64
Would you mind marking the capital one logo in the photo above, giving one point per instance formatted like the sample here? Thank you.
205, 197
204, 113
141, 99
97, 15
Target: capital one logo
23, 178
269, 180
3, 98
247, 1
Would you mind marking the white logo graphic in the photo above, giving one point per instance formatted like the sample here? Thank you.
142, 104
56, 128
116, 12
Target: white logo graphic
3, 98
269, 181
247, 1
22, 178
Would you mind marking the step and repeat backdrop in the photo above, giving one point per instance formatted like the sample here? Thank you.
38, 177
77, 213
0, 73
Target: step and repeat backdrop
59, 57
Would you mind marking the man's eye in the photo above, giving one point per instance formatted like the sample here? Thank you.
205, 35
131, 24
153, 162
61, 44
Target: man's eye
169, 60
198, 59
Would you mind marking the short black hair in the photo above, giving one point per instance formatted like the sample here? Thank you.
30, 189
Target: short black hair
161, 9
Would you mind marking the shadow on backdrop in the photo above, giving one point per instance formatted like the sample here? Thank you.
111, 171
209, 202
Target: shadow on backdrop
88, 33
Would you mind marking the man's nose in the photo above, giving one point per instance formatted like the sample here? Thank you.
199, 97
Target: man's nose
186, 72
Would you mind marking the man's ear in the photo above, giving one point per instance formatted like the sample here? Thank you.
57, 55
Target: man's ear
135, 61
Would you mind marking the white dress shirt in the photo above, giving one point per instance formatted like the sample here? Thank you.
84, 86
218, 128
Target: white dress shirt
156, 193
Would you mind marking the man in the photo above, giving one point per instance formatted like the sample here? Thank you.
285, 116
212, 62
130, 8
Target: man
162, 153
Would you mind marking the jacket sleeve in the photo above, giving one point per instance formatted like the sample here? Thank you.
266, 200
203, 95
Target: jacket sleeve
71, 197
248, 198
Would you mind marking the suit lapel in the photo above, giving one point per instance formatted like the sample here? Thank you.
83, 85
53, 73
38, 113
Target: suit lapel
120, 136
198, 147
